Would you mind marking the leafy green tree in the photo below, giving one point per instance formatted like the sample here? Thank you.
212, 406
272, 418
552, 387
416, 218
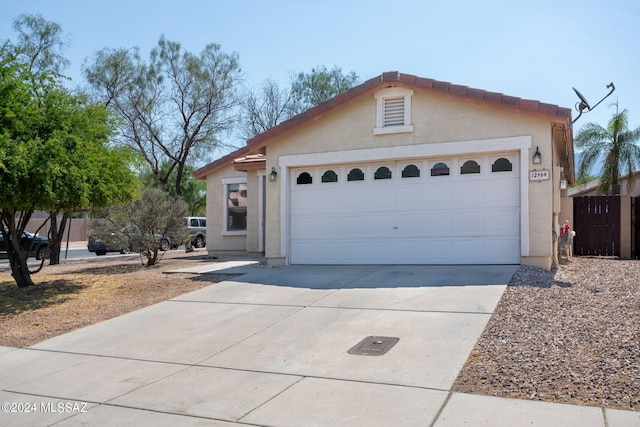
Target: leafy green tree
320, 85
173, 107
144, 222
193, 190
54, 154
40, 46
616, 144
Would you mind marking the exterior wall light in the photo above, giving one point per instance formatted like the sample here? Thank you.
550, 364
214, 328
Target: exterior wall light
537, 157
273, 176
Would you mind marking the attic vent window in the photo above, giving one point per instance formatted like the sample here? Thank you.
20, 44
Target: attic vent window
393, 111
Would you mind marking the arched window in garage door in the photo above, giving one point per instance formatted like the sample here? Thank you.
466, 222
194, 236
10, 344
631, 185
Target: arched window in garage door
329, 176
470, 166
411, 171
502, 165
440, 169
382, 172
304, 178
355, 175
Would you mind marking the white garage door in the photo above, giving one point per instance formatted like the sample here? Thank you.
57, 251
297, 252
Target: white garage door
427, 211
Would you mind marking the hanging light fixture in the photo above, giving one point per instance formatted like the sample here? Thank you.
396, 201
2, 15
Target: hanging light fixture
273, 176
537, 157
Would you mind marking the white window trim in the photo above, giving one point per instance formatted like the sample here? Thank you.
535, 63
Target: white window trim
225, 216
392, 92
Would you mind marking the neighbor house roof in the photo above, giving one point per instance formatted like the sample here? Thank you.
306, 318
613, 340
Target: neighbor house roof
591, 187
395, 78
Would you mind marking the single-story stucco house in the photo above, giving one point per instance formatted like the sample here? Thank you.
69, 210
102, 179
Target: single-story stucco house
398, 170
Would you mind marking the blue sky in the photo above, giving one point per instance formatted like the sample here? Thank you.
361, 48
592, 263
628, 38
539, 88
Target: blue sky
535, 50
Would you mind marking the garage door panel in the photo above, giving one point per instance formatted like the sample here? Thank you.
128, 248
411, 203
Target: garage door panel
439, 196
504, 221
502, 249
411, 250
438, 250
439, 223
469, 249
410, 224
308, 226
379, 200
454, 219
313, 252
503, 193
305, 203
351, 226
470, 193
411, 198
468, 223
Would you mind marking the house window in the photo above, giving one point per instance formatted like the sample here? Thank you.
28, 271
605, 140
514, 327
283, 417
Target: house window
393, 113
355, 175
329, 176
440, 169
411, 171
236, 207
502, 165
470, 166
383, 172
304, 178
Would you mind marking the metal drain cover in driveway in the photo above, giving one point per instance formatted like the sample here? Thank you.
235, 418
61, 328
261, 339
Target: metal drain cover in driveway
374, 346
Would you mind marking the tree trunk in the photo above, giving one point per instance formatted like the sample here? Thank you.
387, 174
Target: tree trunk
17, 257
19, 268
57, 233
152, 256
179, 180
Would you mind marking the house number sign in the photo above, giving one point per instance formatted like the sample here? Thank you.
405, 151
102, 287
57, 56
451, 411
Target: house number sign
539, 175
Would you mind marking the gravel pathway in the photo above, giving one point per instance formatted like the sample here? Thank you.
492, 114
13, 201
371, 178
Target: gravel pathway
571, 335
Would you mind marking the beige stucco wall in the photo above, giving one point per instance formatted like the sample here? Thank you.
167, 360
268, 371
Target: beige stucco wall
436, 119
253, 211
217, 240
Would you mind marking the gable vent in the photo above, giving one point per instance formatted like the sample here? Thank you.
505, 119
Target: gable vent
394, 111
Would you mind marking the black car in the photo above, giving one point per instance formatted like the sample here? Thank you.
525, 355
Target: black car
39, 245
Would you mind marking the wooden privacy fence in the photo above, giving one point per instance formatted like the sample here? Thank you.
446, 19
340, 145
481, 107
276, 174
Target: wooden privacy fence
597, 222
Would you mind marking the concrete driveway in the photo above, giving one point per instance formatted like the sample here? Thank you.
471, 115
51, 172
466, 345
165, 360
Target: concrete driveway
269, 348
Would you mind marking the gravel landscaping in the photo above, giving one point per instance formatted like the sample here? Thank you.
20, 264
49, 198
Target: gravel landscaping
569, 336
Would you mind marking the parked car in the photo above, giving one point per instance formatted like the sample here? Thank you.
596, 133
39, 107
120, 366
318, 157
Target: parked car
197, 226
115, 241
167, 242
39, 245
101, 247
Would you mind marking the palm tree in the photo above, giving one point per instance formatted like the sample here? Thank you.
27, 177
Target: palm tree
617, 143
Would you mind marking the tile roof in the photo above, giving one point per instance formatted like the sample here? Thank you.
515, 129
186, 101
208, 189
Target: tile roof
527, 106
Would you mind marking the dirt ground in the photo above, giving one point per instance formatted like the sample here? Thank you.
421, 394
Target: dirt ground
78, 293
